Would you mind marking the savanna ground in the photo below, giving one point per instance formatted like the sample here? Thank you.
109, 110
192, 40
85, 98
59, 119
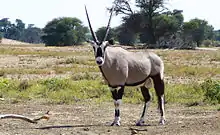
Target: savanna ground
67, 82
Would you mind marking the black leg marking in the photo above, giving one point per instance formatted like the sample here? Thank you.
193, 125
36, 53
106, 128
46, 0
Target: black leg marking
117, 113
144, 110
159, 88
147, 97
118, 94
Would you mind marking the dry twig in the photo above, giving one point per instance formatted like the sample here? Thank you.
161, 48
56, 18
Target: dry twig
21, 117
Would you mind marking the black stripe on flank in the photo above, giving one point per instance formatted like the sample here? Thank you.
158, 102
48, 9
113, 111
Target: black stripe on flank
136, 83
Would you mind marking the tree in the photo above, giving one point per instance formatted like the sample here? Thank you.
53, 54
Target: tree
125, 36
217, 35
149, 9
64, 31
5, 25
18, 29
100, 33
122, 7
32, 34
167, 24
199, 30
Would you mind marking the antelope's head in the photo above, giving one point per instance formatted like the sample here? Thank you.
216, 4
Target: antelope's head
100, 46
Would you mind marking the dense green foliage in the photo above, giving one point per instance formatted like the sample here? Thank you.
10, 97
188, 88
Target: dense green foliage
153, 23
100, 33
212, 91
199, 30
217, 35
64, 31
125, 36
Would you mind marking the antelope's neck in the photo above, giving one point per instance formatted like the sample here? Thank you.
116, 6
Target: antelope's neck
107, 59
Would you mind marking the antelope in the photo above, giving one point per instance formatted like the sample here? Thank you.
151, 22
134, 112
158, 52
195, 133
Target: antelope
121, 68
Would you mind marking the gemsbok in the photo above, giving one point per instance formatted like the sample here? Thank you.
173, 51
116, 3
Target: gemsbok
121, 68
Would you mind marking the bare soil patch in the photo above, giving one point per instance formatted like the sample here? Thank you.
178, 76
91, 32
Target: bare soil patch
93, 118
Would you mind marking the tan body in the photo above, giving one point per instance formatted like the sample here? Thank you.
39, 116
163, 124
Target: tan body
125, 68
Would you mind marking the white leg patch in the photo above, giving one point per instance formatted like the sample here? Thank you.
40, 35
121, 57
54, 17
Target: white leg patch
117, 121
162, 119
162, 101
112, 89
148, 83
117, 103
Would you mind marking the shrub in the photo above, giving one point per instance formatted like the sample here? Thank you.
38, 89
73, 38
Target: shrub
212, 91
55, 84
216, 43
207, 43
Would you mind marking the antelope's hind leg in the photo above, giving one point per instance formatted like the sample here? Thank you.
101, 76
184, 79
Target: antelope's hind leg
117, 96
147, 98
159, 88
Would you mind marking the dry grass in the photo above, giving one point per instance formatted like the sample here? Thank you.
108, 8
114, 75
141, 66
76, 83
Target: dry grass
184, 69
181, 66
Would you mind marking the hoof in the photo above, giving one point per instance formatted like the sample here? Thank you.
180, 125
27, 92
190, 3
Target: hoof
162, 122
117, 124
140, 123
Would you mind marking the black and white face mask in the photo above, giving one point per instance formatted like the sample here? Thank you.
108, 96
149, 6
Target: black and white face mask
99, 52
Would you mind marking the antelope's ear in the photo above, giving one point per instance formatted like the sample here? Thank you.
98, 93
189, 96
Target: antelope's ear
111, 42
90, 41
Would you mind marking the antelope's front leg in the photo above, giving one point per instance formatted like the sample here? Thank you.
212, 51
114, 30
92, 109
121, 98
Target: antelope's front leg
117, 95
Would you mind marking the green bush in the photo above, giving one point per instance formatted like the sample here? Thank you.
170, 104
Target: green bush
207, 43
216, 43
55, 84
212, 91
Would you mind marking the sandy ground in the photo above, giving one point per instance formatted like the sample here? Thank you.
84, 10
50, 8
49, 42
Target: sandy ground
12, 42
94, 118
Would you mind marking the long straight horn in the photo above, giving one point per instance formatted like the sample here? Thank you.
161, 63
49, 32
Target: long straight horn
108, 26
90, 27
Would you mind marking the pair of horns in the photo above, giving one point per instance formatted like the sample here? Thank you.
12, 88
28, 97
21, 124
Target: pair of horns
107, 28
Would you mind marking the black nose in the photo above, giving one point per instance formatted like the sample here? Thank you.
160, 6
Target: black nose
99, 62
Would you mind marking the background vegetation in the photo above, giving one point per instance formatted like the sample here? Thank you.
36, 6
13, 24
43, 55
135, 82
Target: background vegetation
69, 75
151, 24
